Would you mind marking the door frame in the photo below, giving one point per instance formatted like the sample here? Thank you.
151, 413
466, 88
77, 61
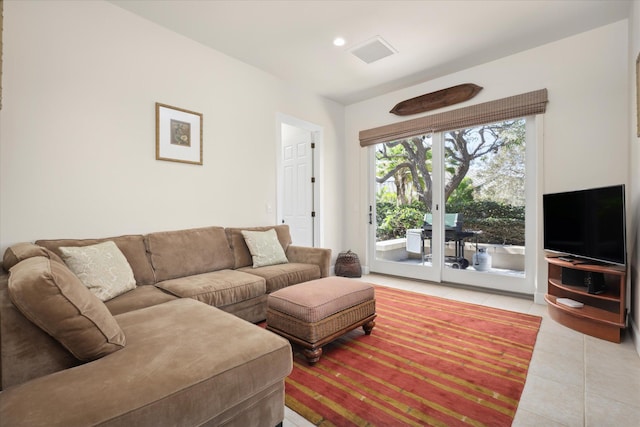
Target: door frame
416, 271
317, 136
527, 285
520, 285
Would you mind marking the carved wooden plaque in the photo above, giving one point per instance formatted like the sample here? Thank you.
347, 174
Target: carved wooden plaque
438, 99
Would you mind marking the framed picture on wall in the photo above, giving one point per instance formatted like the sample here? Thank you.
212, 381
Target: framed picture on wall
178, 135
1, 30
638, 95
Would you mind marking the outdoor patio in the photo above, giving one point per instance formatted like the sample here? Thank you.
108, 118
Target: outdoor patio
505, 259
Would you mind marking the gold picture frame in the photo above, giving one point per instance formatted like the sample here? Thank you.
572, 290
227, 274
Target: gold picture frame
1, 46
178, 134
638, 95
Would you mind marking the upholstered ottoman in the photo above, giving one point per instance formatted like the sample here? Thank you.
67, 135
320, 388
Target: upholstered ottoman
314, 313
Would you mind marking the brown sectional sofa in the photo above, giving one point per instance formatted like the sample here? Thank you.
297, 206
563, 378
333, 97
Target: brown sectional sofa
192, 355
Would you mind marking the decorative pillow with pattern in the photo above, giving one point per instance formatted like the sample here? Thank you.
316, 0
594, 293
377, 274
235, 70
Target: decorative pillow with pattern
265, 248
102, 268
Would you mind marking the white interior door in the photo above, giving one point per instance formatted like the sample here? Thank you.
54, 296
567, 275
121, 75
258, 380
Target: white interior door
298, 184
297, 165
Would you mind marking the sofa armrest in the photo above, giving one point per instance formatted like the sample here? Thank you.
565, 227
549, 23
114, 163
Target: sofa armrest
308, 255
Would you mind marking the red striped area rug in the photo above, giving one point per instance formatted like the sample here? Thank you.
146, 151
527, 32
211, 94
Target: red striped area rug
429, 361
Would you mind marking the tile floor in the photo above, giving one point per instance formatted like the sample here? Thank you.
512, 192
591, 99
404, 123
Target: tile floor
574, 379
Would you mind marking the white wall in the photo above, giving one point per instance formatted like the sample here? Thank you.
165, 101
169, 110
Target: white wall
77, 127
77, 142
586, 141
634, 189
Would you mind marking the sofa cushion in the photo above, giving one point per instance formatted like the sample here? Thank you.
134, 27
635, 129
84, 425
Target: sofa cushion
52, 297
140, 297
241, 253
185, 363
217, 288
282, 275
101, 268
132, 247
187, 252
264, 247
21, 251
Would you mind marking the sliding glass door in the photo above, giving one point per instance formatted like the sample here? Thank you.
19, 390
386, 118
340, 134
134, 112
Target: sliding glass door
457, 206
403, 178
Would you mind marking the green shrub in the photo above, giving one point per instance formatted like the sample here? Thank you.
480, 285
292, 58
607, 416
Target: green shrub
382, 210
397, 220
500, 224
498, 231
486, 209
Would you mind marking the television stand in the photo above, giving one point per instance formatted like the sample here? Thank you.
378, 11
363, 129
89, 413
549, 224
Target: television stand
604, 313
573, 260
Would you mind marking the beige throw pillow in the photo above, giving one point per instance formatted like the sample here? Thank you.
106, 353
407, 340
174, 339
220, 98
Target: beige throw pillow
265, 248
52, 297
102, 268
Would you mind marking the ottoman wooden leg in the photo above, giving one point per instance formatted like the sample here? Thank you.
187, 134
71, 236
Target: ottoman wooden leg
312, 354
368, 327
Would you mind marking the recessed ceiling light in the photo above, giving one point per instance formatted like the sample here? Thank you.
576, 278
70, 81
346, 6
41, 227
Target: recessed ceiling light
338, 41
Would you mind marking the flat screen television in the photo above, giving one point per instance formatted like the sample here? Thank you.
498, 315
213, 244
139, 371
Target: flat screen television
588, 224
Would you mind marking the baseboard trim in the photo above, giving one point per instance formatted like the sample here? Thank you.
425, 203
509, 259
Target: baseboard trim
634, 334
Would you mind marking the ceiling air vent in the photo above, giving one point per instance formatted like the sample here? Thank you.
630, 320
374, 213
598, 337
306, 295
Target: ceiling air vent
373, 50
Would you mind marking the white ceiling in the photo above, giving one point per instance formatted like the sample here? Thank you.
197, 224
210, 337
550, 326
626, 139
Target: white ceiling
293, 39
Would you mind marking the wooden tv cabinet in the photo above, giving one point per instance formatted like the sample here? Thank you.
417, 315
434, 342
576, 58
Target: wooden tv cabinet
604, 315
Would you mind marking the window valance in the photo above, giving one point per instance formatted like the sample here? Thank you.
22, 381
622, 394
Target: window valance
512, 107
